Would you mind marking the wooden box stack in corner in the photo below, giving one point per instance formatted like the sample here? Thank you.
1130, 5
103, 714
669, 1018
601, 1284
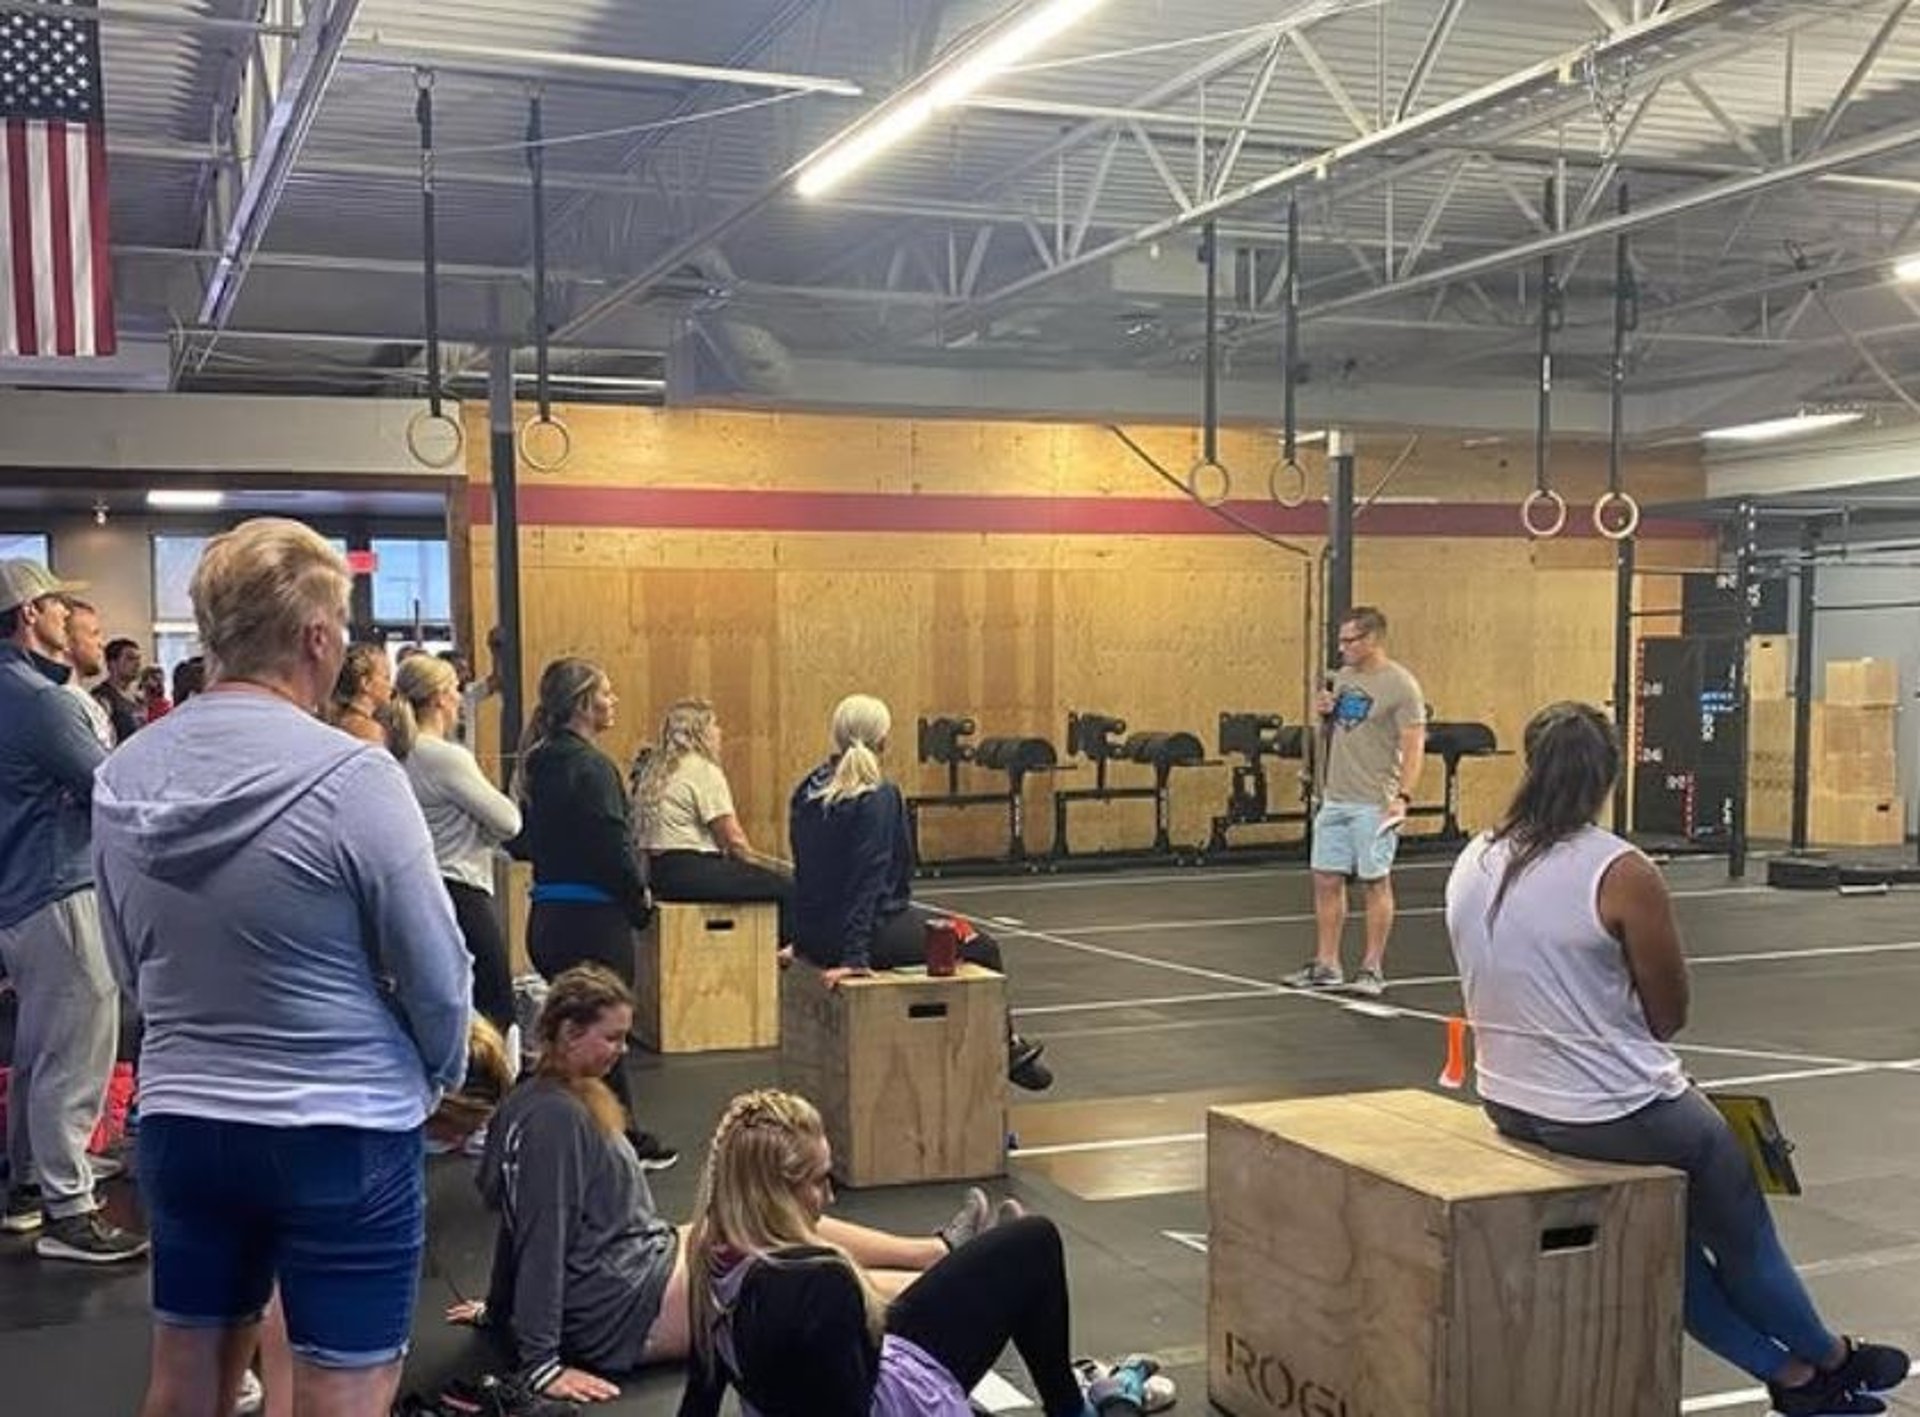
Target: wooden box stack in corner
1852, 770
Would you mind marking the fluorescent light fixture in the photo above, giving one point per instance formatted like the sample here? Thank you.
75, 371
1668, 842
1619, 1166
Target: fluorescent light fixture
993, 54
184, 499
1907, 268
1769, 429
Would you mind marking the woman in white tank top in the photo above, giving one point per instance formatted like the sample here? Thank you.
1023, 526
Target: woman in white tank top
1571, 966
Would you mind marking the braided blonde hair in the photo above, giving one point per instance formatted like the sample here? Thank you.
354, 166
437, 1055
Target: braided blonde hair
686, 730
762, 1151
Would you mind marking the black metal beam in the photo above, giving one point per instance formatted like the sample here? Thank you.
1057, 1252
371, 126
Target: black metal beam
1803, 683
1747, 530
503, 464
1623, 678
1339, 538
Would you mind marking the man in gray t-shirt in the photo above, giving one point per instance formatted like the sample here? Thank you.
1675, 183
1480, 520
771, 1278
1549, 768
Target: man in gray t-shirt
1373, 738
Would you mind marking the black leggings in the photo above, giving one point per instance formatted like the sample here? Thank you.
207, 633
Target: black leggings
707, 876
561, 934
1008, 1285
487, 943
901, 939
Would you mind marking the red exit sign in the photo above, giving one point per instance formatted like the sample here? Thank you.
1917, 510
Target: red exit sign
363, 563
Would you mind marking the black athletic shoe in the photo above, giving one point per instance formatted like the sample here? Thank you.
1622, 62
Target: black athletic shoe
1024, 1068
1871, 1367
1824, 1396
498, 1397
654, 1154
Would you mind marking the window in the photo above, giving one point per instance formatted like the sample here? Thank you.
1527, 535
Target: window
174, 558
411, 583
30, 545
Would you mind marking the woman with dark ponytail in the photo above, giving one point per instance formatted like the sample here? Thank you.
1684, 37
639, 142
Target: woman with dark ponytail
588, 895
1571, 964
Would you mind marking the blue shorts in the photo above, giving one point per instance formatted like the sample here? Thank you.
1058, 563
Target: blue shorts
1347, 841
335, 1215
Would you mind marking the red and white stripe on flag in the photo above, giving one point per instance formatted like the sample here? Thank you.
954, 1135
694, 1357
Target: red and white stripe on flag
56, 282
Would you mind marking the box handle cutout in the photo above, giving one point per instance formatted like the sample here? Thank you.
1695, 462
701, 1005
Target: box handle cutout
926, 1010
1567, 1237
721, 924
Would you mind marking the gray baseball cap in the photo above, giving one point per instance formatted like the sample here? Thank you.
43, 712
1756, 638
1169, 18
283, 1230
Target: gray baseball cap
22, 581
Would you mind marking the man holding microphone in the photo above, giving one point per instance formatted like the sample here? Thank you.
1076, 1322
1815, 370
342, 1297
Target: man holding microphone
1373, 737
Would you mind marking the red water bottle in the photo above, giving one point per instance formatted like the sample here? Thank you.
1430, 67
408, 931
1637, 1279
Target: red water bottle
943, 948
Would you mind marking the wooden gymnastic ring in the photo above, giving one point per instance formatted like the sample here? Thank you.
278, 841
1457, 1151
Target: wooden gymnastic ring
418, 424
1630, 516
1203, 467
1552, 499
1299, 474
527, 429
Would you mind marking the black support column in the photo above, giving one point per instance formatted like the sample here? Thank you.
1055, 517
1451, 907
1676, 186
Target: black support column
504, 466
1807, 586
1623, 678
1339, 538
1747, 531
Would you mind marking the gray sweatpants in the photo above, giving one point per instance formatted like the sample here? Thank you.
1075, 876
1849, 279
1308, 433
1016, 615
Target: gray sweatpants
63, 1048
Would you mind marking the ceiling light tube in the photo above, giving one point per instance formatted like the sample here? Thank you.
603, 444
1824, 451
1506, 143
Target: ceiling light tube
1768, 429
184, 499
1907, 268
950, 83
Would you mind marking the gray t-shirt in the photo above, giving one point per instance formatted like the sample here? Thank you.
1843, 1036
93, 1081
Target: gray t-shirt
693, 798
1371, 708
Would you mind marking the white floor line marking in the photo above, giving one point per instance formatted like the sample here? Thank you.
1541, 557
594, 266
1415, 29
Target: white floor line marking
995, 1394
1227, 922
1112, 1144
1127, 956
1160, 1001
1838, 1070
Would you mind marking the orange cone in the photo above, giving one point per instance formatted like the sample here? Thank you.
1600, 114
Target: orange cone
1454, 1075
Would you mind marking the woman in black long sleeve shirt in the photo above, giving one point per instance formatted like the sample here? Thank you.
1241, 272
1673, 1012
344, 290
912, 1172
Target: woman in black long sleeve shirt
588, 894
853, 910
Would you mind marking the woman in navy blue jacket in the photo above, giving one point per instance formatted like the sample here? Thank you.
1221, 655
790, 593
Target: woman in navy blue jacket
853, 910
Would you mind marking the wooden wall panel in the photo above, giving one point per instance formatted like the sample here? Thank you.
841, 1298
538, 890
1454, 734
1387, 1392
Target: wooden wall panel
1166, 631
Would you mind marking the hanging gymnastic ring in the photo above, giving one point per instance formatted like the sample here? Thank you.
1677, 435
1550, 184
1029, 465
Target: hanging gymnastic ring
1555, 501
1629, 521
1288, 467
418, 424
1204, 468
559, 460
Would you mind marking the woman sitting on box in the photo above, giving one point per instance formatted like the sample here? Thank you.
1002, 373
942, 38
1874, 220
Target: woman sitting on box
1571, 965
853, 910
588, 1278
683, 818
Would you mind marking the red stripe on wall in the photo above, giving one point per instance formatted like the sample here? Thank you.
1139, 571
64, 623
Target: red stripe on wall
687, 509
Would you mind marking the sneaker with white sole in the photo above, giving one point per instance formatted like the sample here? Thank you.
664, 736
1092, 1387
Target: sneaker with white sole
23, 1215
252, 1397
88, 1239
1135, 1378
1315, 975
1367, 983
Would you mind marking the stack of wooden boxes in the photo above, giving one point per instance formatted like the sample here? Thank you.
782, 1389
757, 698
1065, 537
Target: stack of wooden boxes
1851, 762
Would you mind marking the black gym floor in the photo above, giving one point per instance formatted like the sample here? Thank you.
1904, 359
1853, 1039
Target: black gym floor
1156, 994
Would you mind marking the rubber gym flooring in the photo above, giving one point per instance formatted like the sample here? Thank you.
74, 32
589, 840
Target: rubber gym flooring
1155, 991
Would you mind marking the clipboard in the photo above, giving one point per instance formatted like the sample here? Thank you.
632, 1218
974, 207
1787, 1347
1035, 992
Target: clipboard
1758, 1131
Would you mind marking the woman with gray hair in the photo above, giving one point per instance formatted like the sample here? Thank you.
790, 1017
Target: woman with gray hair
853, 909
684, 819
269, 895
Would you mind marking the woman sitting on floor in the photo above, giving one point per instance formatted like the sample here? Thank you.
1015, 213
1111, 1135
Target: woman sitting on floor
587, 1277
789, 1316
685, 822
1571, 964
853, 910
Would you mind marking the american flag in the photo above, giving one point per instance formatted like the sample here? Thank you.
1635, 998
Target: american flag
56, 285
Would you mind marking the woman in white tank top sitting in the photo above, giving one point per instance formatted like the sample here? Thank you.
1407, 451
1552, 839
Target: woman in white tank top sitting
1574, 978
685, 822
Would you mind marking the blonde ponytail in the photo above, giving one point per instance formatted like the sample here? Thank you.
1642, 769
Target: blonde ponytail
402, 726
861, 724
420, 680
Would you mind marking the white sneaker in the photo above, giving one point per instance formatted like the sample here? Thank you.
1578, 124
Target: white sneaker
1315, 975
1368, 983
252, 1398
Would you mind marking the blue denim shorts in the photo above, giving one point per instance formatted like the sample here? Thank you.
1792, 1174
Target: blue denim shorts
1347, 841
335, 1215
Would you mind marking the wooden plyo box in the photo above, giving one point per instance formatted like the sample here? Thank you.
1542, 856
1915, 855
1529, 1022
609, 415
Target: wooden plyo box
707, 977
909, 1072
1389, 1255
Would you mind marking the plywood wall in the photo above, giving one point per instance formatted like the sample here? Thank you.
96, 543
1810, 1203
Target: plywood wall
775, 624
